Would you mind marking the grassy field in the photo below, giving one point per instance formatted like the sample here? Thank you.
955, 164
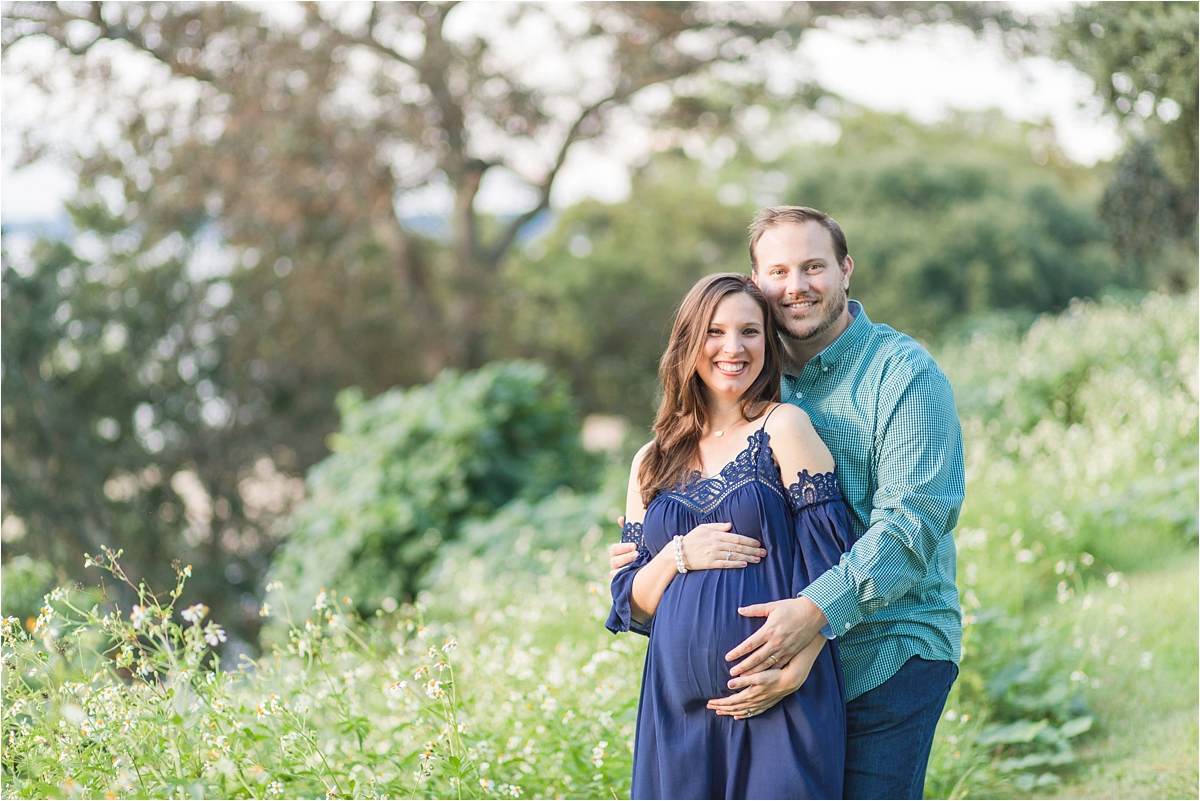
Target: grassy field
1145, 744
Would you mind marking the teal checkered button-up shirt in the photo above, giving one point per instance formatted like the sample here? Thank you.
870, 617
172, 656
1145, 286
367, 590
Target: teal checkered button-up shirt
887, 414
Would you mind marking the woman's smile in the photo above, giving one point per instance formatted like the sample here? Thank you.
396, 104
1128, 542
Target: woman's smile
732, 368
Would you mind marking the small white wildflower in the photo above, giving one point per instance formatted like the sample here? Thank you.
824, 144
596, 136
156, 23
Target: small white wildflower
598, 753
433, 688
449, 645
187, 571
486, 784
265, 611
137, 616
321, 601
214, 635
195, 613
275, 585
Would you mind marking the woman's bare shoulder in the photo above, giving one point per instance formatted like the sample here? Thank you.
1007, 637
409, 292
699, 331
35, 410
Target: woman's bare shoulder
636, 467
640, 455
786, 419
795, 442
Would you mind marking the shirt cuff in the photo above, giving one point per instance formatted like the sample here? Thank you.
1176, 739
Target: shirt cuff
837, 598
620, 618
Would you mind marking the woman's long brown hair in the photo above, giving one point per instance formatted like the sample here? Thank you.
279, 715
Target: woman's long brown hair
683, 414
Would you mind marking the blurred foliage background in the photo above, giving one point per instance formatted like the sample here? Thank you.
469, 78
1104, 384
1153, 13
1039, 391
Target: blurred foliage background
256, 351
241, 276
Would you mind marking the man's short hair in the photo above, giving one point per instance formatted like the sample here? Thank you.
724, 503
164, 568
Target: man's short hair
773, 216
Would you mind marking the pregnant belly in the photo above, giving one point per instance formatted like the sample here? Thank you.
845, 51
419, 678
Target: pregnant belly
696, 624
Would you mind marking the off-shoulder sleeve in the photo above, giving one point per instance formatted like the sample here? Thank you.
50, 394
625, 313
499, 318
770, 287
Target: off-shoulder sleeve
621, 617
823, 528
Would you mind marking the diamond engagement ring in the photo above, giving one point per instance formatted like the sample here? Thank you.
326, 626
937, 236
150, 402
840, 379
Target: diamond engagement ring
729, 556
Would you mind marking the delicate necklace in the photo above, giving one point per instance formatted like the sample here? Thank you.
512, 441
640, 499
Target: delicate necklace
721, 433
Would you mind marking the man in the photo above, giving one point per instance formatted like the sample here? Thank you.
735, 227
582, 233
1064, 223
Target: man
887, 414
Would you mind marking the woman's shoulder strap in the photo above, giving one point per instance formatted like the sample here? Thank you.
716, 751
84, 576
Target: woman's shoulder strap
767, 416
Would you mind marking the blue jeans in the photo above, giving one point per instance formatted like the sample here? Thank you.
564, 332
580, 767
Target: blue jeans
889, 731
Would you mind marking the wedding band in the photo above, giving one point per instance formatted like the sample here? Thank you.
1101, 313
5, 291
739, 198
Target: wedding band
774, 659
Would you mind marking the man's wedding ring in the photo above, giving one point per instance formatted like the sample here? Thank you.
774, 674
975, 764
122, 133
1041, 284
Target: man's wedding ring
774, 659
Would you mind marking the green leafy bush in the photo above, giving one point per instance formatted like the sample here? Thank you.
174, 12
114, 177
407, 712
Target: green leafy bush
1081, 446
25, 581
411, 467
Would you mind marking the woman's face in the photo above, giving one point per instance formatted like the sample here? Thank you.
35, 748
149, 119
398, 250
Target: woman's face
734, 349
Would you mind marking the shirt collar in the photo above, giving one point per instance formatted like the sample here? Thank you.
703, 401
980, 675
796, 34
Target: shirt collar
854, 333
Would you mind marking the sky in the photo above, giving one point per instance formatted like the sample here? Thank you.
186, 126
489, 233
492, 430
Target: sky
925, 74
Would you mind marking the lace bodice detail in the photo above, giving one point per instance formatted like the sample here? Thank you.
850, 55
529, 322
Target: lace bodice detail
756, 462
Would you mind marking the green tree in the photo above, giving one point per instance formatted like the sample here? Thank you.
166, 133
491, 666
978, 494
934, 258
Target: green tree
114, 416
1145, 62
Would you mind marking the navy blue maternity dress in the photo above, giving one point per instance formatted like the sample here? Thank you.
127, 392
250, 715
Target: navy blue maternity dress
796, 749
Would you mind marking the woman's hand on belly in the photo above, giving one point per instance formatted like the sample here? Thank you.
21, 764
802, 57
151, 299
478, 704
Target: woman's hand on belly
760, 691
711, 546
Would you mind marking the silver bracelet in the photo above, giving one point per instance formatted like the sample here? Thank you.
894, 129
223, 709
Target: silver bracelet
677, 542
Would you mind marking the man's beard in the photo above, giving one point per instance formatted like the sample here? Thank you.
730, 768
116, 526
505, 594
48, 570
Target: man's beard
831, 308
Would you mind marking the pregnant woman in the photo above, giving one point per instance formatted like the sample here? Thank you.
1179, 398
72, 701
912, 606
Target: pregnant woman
718, 527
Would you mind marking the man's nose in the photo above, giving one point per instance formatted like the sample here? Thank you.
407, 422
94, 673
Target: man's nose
797, 283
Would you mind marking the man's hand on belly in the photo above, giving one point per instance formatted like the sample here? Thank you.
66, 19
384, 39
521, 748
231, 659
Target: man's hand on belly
790, 626
760, 691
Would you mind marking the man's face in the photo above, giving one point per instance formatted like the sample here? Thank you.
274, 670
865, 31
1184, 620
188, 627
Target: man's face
799, 274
